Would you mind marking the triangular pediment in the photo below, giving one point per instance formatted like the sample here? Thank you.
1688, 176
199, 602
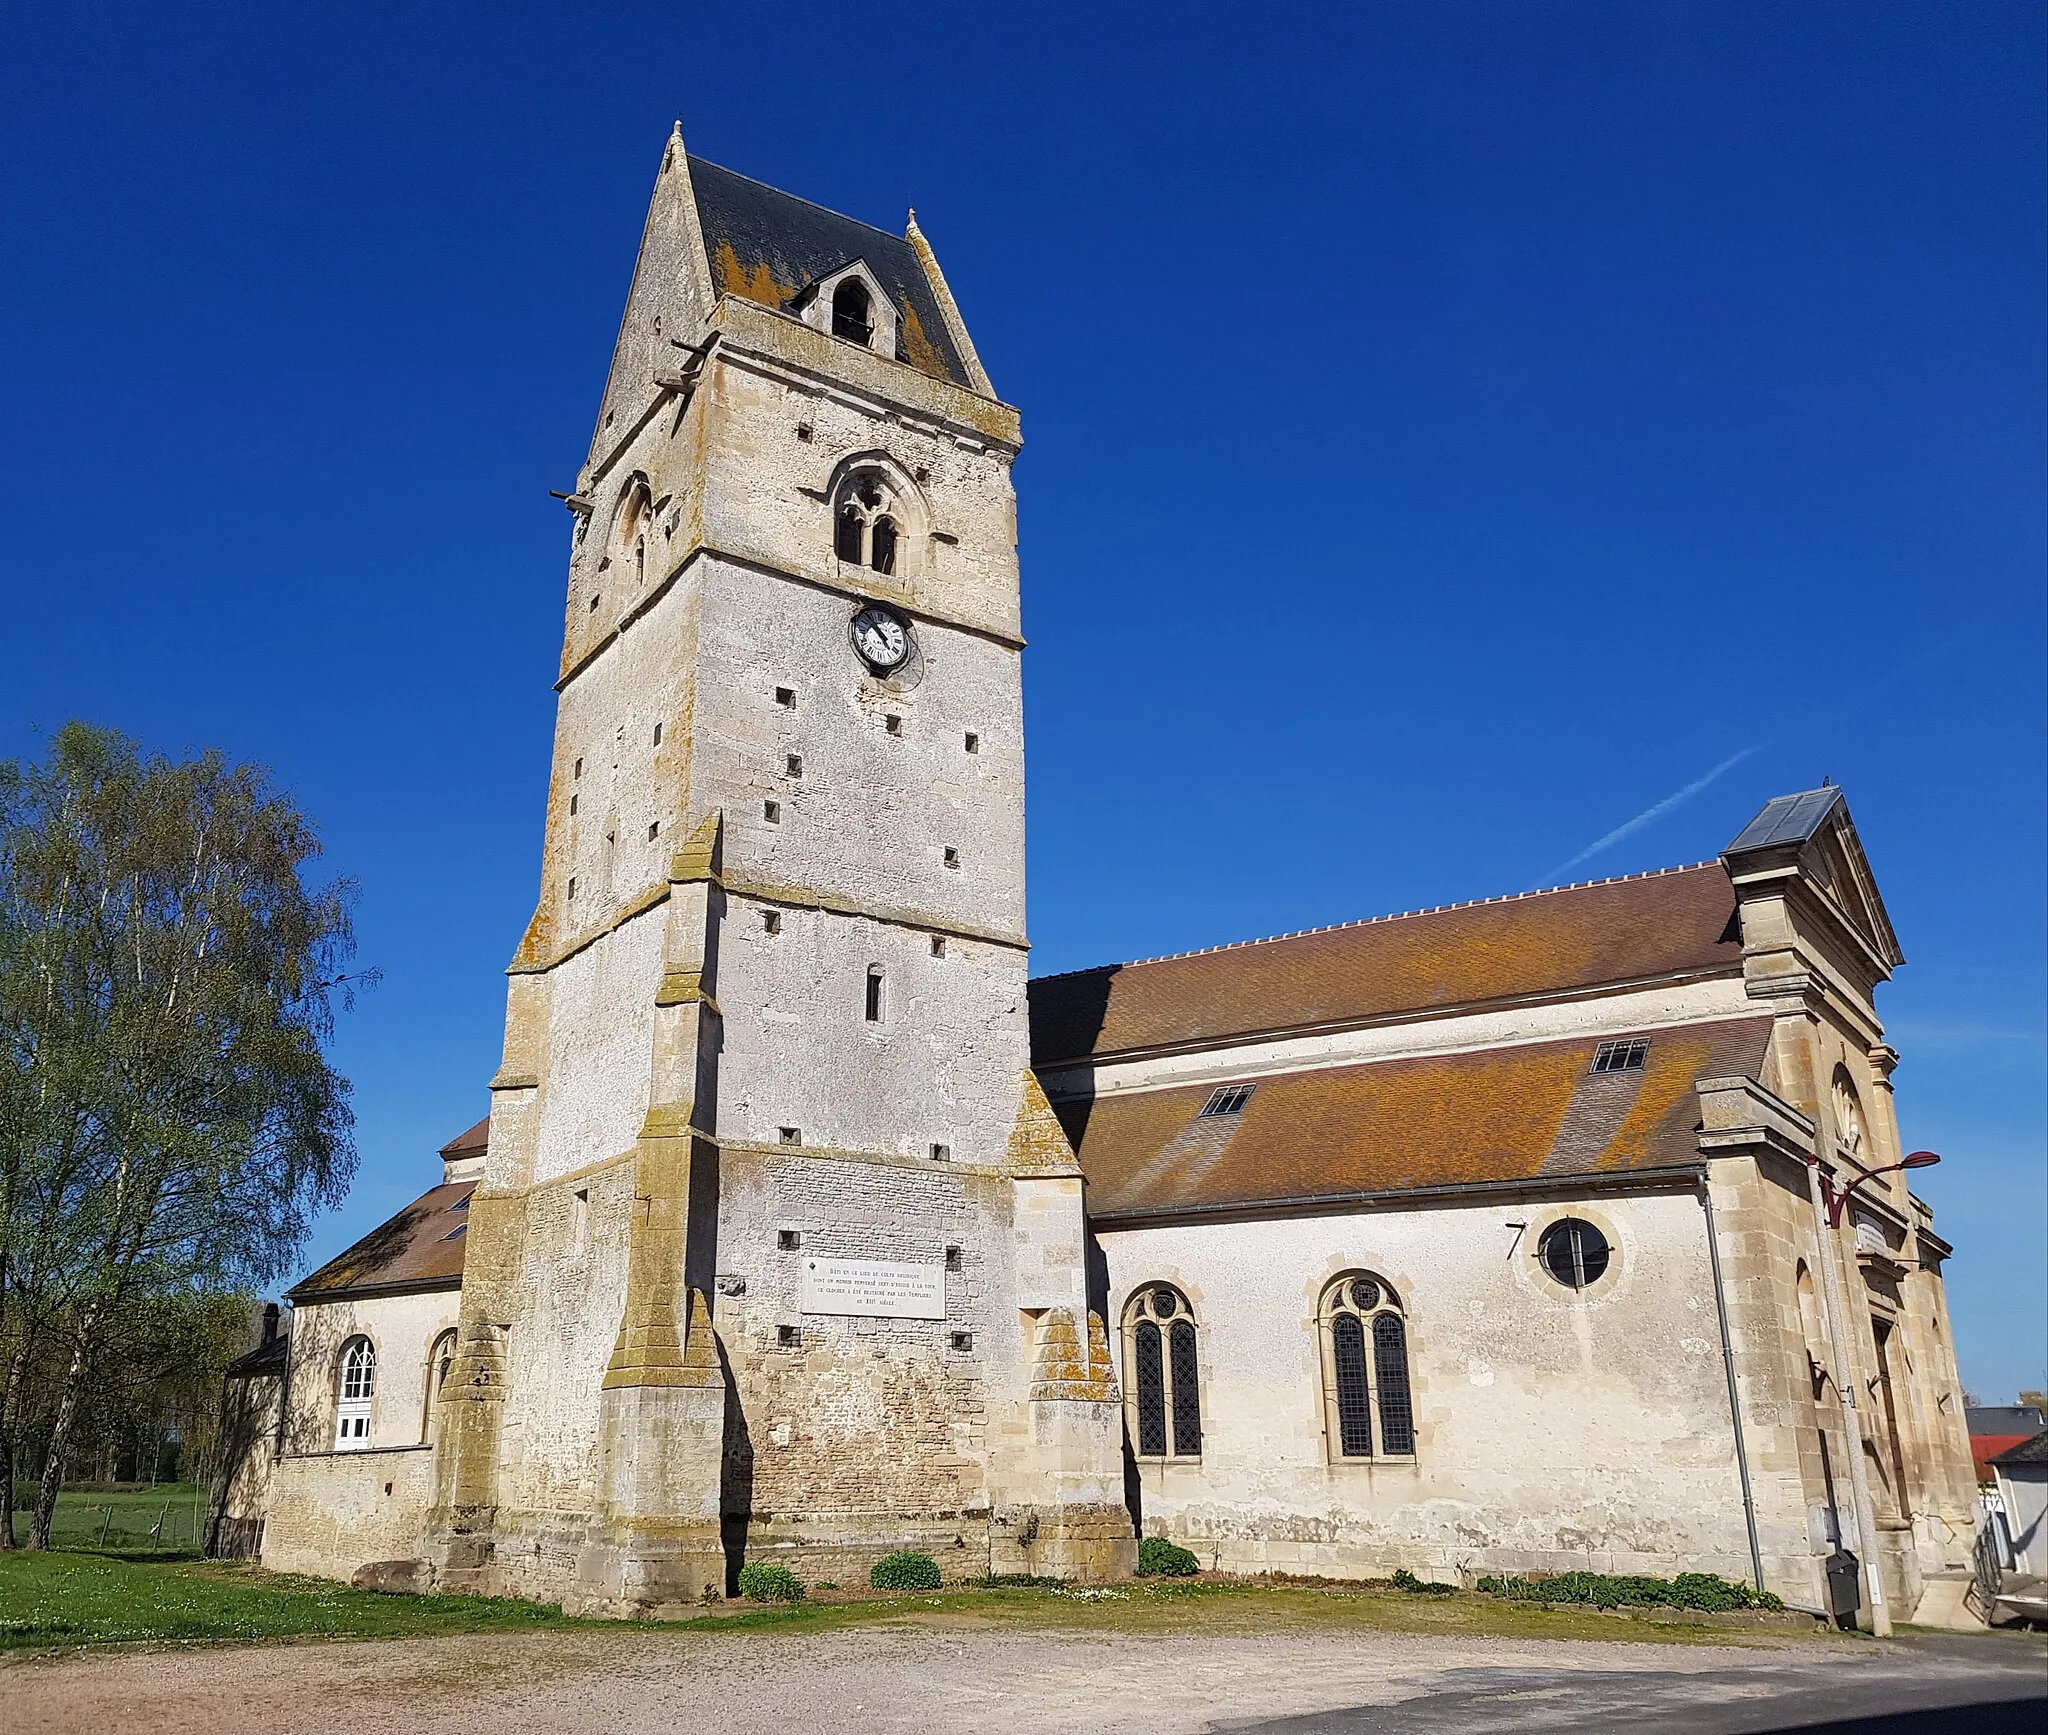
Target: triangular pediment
1837, 868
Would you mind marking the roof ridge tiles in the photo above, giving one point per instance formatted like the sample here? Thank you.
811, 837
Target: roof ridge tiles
1392, 916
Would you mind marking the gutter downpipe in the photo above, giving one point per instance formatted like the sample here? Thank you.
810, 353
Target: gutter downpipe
1756, 1556
1827, 1251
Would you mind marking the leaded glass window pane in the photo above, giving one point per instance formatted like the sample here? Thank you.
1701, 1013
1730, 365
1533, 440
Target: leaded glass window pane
1354, 1422
1187, 1391
1151, 1392
1390, 1373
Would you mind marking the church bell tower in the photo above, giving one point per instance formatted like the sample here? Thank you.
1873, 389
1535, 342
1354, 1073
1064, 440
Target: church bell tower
779, 1252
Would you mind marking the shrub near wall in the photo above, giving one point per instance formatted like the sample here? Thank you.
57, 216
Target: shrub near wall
1700, 1590
1158, 1558
905, 1571
759, 1583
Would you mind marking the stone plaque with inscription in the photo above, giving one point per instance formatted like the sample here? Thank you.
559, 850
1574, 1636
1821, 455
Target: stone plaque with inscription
875, 1288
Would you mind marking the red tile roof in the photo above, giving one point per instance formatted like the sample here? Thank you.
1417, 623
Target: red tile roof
1505, 1114
1675, 923
473, 1143
420, 1248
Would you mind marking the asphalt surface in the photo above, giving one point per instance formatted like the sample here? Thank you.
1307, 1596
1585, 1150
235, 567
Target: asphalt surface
1993, 1684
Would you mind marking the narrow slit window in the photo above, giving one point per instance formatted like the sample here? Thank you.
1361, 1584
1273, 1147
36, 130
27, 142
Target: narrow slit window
938, 945
771, 811
952, 1259
942, 1153
784, 696
892, 723
789, 1336
789, 1135
963, 1340
874, 994
882, 545
657, 734
771, 921
952, 858
653, 830
973, 742
572, 805
793, 765
789, 1240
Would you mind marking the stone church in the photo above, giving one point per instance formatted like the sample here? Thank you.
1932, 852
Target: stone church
805, 1227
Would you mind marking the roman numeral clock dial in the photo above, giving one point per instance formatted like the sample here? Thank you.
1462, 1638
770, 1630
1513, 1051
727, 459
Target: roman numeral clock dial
881, 640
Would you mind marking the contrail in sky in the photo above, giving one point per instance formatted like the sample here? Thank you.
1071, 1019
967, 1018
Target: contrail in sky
1677, 799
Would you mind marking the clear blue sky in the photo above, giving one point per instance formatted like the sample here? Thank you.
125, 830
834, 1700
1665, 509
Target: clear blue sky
1451, 430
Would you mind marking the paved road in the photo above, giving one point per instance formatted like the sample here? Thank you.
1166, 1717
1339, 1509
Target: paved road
1993, 1685
941, 1675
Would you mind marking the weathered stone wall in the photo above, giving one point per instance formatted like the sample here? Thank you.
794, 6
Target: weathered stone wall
333, 1512
1554, 1430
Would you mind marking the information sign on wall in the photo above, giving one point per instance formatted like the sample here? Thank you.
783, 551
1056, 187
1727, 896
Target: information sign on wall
875, 1288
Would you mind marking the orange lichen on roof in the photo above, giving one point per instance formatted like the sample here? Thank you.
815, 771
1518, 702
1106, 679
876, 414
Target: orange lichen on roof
1392, 1125
422, 1247
1678, 922
919, 350
757, 284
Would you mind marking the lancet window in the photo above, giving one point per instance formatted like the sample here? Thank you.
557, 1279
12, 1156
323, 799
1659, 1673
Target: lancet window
1166, 1388
1368, 1406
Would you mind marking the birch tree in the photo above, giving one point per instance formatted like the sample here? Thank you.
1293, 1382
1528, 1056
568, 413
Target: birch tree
169, 1122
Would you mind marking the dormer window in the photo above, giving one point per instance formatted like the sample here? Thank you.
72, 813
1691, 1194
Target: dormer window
849, 303
853, 312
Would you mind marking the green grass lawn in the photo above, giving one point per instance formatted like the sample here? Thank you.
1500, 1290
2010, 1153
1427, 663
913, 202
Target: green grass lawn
65, 1600
169, 1518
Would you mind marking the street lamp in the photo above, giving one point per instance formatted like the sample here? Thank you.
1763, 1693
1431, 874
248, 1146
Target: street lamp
1828, 1204
1836, 1200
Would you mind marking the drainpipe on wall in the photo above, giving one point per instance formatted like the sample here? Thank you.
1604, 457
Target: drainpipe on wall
1827, 1250
1756, 1554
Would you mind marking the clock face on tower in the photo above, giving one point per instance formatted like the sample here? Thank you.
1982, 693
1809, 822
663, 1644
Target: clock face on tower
881, 639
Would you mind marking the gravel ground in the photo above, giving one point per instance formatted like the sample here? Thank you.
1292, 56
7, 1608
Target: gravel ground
953, 1673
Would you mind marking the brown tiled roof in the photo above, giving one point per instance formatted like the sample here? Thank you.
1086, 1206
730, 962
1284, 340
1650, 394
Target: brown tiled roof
1679, 921
473, 1143
421, 1248
1503, 1114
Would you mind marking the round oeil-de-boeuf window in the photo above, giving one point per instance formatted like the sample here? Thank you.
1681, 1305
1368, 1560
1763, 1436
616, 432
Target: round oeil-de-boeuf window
1573, 1252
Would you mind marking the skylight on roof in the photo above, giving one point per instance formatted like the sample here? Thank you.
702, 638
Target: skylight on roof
1226, 1099
1625, 1056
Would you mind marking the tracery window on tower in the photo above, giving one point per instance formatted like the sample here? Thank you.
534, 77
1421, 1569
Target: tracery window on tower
355, 1388
1163, 1355
867, 524
1368, 1407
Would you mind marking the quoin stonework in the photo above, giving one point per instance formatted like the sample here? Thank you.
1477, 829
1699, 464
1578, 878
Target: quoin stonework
805, 1227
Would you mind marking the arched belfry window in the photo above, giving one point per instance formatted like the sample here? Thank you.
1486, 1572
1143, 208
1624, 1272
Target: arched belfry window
1165, 1375
853, 312
1368, 1406
355, 1387
867, 525
630, 526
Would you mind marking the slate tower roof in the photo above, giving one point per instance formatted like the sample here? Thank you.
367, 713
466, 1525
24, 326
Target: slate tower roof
770, 246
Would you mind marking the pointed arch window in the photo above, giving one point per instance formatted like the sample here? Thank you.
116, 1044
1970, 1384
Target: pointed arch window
440, 1358
867, 527
355, 1389
1162, 1352
1368, 1405
853, 312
